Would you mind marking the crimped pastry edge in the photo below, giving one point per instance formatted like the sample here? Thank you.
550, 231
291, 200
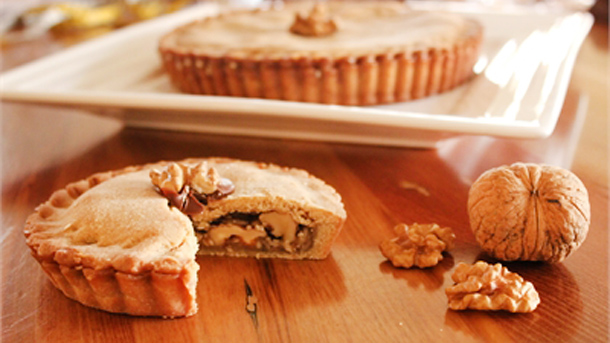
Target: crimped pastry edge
150, 293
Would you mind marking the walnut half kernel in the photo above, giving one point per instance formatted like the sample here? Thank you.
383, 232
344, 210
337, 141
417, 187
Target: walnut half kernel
190, 188
316, 24
417, 245
490, 287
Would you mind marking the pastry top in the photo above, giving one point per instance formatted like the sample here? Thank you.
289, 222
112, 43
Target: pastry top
120, 220
368, 28
261, 187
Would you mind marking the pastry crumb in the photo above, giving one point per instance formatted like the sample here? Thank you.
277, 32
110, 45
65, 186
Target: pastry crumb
414, 186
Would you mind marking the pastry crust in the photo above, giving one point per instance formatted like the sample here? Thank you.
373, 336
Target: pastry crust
404, 68
125, 279
112, 241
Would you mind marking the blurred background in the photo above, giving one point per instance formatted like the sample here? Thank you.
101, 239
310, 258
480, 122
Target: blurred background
24, 20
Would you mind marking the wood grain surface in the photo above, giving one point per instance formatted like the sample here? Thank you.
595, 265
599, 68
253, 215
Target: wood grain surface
354, 295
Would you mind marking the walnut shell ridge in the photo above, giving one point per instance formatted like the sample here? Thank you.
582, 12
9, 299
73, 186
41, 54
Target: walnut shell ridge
529, 212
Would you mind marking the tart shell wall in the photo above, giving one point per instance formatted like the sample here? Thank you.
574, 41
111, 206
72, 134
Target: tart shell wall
147, 294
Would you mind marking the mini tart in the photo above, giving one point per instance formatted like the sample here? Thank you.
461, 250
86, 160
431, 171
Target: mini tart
382, 52
114, 242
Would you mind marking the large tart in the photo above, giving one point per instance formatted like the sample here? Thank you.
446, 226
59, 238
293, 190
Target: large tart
344, 52
125, 241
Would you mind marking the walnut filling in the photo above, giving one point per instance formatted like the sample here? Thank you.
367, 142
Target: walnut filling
191, 188
269, 231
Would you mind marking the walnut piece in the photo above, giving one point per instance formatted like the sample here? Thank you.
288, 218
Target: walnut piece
204, 180
482, 286
529, 212
170, 178
317, 24
189, 188
417, 245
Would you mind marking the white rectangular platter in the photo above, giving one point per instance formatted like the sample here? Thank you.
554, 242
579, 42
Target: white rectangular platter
523, 75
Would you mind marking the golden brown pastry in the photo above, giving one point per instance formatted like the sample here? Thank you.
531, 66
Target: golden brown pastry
125, 241
341, 52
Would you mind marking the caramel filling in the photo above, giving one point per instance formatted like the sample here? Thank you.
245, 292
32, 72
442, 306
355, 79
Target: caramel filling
269, 231
220, 234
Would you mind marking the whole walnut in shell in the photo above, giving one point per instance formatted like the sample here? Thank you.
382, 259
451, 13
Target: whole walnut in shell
529, 212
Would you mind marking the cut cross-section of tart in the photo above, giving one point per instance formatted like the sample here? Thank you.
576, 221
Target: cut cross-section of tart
125, 241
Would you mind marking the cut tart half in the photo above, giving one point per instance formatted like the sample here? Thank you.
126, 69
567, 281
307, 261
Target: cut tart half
125, 241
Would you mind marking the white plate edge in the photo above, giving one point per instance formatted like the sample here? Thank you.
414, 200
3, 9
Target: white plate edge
423, 121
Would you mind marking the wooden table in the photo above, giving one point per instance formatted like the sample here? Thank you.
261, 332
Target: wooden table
354, 295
